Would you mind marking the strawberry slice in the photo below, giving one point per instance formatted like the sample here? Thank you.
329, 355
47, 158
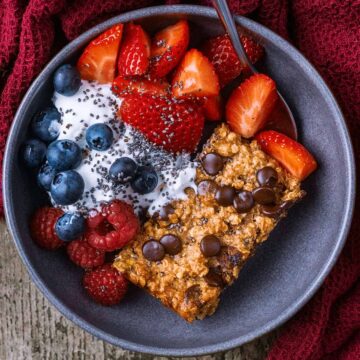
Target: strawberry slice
195, 76
288, 152
250, 104
221, 54
98, 61
168, 47
123, 86
134, 52
213, 108
175, 125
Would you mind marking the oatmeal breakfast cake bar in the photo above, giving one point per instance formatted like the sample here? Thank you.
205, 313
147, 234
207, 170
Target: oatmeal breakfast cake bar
188, 253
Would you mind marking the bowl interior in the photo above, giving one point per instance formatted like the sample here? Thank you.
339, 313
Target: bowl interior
285, 270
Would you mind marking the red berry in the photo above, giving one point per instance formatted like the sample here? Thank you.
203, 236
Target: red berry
175, 125
42, 228
98, 61
83, 254
105, 285
113, 227
222, 55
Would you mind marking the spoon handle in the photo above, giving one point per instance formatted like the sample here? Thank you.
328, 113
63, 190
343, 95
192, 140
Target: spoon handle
228, 22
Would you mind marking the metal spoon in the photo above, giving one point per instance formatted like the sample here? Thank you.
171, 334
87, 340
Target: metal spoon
281, 118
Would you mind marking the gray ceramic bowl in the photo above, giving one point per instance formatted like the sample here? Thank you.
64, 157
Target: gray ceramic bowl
277, 281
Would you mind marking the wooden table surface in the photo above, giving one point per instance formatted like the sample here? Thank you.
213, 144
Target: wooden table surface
31, 328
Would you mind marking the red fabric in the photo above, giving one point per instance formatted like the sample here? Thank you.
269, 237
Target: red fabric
326, 31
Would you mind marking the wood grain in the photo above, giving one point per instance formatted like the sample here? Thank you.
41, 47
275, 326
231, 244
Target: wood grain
31, 328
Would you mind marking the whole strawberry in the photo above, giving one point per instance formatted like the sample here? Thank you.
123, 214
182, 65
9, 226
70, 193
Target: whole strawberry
174, 124
83, 254
105, 285
42, 228
222, 55
113, 227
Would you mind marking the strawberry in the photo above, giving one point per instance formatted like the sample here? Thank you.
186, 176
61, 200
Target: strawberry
83, 254
105, 285
175, 125
134, 52
213, 108
195, 76
250, 104
98, 61
42, 228
222, 55
123, 86
113, 227
168, 47
288, 152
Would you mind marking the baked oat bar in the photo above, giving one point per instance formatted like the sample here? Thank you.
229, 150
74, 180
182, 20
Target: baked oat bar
195, 247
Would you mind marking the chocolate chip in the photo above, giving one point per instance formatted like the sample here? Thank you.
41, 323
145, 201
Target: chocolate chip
267, 176
153, 250
225, 195
192, 294
165, 211
264, 195
171, 243
244, 201
275, 211
213, 278
210, 245
206, 187
212, 163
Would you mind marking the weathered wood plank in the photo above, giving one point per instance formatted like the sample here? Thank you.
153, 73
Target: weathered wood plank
31, 328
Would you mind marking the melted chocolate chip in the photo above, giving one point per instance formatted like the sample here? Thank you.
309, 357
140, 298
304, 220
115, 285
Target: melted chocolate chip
213, 278
275, 211
267, 176
171, 243
206, 187
264, 195
212, 163
225, 195
244, 201
165, 211
192, 294
153, 250
210, 245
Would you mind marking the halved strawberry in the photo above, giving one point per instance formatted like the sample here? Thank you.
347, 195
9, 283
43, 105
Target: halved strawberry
168, 47
176, 125
213, 108
195, 76
221, 54
288, 152
98, 61
134, 52
250, 104
123, 86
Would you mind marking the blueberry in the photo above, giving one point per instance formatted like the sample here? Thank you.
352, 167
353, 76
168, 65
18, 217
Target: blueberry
99, 137
70, 226
123, 170
145, 180
64, 154
67, 187
33, 153
67, 80
45, 176
46, 124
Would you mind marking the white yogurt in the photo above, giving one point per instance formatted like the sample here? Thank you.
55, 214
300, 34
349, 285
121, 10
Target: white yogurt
95, 103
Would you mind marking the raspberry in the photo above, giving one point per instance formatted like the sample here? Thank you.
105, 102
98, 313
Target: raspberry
83, 254
42, 228
113, 227
105, 285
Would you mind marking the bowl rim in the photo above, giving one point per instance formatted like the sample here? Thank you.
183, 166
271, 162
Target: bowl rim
9, 159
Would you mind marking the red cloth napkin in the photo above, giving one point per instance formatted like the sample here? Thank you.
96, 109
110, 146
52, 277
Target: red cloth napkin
326, 31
